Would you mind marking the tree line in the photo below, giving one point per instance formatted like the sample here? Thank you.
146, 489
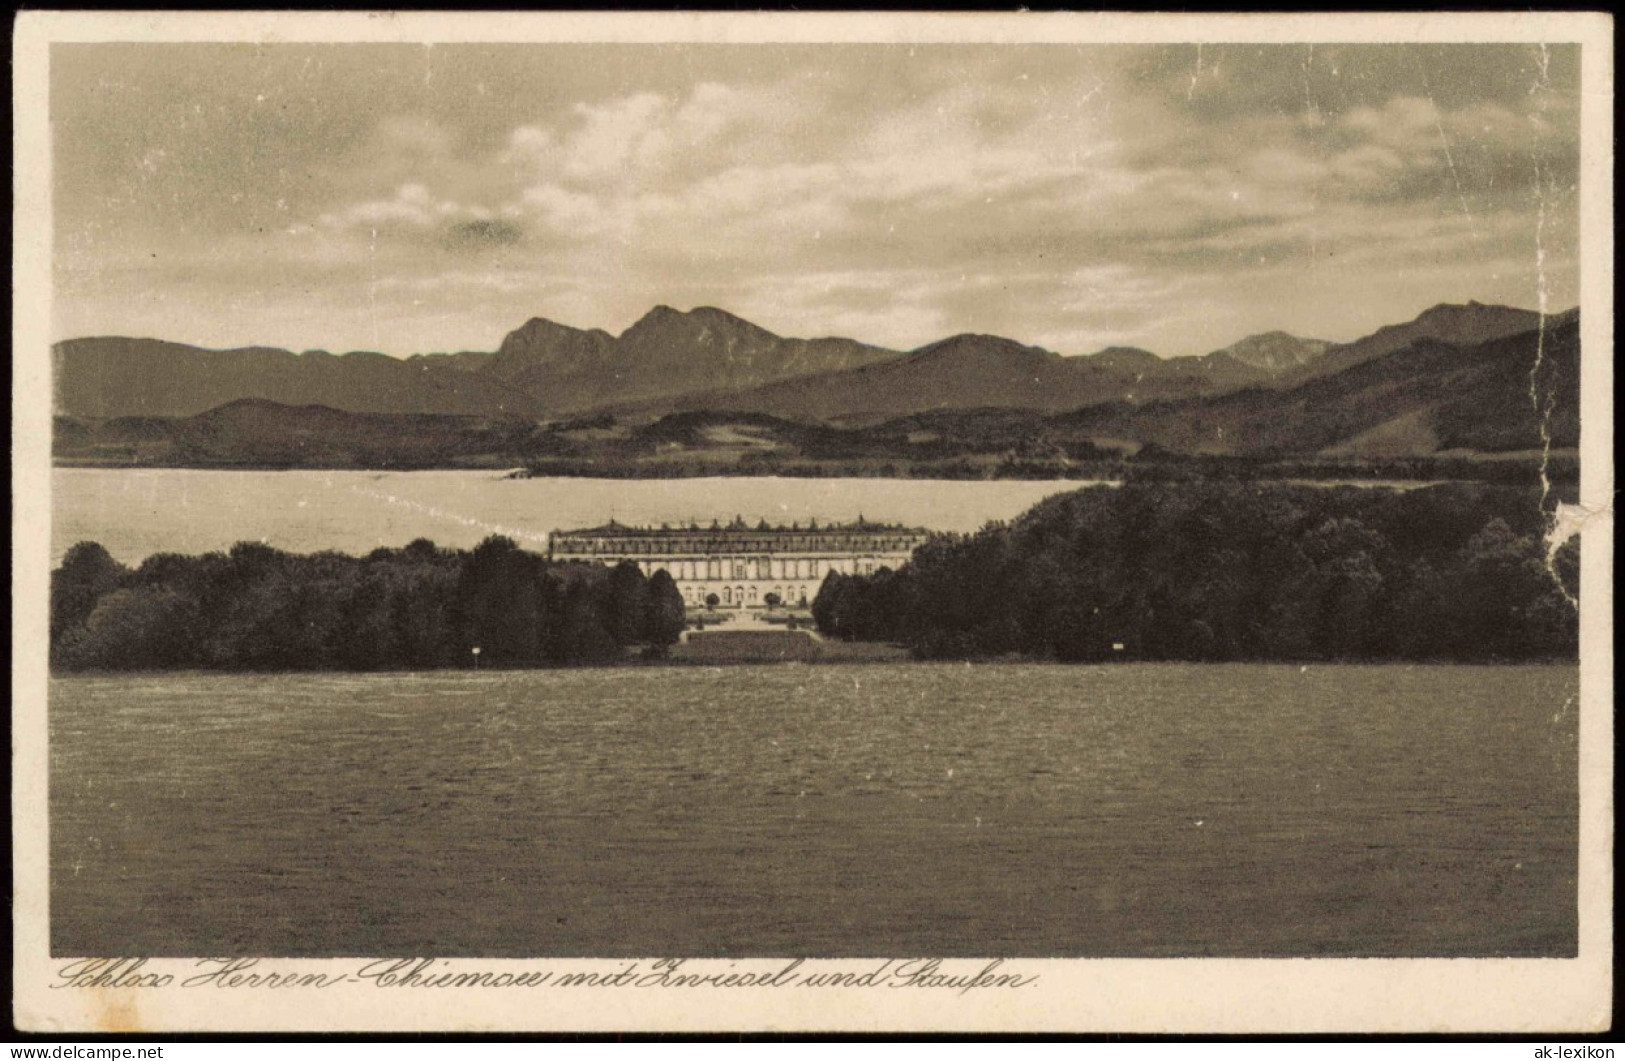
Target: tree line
1232, 571
259, 608
1561, 469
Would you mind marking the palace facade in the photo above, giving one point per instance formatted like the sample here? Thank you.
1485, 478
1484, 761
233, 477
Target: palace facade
742, 564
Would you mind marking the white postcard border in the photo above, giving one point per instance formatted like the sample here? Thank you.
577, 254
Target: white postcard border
1178, 995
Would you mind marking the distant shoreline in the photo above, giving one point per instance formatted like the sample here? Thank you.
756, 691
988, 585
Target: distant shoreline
1562, 468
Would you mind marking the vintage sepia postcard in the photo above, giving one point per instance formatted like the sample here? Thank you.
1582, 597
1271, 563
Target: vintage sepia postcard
696, 522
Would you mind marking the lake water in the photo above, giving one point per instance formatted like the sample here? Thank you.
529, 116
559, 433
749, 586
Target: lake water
137, 512
951, 810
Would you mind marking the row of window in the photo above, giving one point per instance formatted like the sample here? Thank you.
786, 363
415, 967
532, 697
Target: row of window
756, 569
656, 546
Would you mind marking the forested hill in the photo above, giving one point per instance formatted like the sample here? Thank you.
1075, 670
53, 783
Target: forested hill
1232, 571
1426, 397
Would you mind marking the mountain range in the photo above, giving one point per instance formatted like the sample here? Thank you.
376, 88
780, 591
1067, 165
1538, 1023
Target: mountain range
542, 368
970, 371
1267, 393
710, 359
1426, 399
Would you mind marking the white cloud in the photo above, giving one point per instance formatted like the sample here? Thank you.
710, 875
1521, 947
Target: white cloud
567, 213
412, 207
531, 145
1064, 210
613, 136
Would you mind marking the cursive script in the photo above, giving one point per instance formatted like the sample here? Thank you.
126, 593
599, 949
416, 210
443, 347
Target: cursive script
226, 974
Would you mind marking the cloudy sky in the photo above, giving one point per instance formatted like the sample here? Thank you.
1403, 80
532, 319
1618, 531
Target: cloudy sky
410, 199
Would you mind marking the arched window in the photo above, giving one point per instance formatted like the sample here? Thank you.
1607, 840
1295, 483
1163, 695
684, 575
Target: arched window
752, 592
727, 595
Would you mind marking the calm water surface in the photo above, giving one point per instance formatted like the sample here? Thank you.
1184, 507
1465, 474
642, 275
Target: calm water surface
1016, 810
137, 512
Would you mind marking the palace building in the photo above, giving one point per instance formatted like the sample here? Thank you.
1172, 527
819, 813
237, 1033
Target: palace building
743, 564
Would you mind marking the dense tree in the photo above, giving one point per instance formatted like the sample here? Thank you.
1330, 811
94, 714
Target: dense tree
419, 607
663, 616
829, 609
131, 629
1216, 571
586, 631
627, 606
499, 603
87, 574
